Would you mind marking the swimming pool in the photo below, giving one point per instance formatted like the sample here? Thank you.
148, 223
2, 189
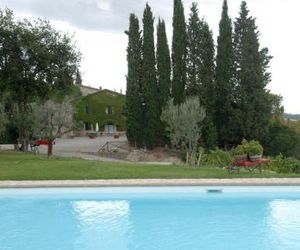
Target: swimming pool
147, 218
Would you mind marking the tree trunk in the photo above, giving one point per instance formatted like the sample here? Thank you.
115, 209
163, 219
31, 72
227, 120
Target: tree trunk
50, 148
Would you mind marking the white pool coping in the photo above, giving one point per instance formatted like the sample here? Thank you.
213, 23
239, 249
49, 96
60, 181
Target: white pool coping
153, 182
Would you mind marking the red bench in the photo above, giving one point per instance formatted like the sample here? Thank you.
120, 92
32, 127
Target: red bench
249, 165
42, 142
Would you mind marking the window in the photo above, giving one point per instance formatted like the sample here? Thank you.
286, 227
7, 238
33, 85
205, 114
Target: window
109, 110
88, 126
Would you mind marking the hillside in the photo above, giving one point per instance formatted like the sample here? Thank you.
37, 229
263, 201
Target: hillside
292, 116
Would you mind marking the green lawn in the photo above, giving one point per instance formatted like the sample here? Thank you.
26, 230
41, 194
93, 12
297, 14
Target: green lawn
20, 166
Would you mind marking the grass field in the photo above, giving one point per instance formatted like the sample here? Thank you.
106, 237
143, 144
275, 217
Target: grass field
20, 166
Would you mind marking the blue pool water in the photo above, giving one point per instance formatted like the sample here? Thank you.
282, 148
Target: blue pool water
185, 218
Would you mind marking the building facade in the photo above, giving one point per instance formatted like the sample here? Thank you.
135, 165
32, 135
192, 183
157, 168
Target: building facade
102, 111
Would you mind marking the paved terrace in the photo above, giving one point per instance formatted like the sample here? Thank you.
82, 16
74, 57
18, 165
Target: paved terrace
154, 182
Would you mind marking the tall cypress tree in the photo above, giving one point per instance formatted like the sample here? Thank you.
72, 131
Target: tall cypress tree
163, 72
207, 90
207, 69
163, 65
149, 82
194, 44
224, 79
179, 44
134, 121
251, 76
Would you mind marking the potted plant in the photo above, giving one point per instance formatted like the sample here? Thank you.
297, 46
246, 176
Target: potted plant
239, 153
254, 150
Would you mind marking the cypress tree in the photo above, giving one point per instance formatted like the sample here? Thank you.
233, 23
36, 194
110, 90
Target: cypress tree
163, 71
163, 65
251, 76
224, 79
207, 69
193, 53
179, 43
149, 82
78, 79
134, 121
207, 89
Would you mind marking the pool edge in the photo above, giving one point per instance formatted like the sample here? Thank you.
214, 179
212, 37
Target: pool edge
152, 182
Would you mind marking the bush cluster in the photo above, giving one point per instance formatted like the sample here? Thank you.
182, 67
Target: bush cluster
281, 164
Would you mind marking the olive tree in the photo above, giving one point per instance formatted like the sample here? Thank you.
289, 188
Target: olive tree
184, 123
53, 119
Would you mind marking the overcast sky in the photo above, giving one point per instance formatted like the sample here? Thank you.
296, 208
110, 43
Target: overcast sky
98, 27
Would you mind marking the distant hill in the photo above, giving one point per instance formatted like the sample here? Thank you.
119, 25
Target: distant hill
292, 116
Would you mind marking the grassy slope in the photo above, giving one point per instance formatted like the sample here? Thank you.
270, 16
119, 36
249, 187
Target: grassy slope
19, 166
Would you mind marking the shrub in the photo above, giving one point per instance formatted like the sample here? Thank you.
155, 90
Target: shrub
239, 150
281, 139
284, 165
218, 158
254, 148
250, 148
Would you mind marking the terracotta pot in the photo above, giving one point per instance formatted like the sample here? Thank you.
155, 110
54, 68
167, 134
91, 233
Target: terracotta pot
255, 157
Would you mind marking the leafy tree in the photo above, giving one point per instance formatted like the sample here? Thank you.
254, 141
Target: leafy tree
53, 119
149, 82
179, 44
281, 139
134, 115
183, 122
277, 109
253, 110
36, 62
163, 71
194, 59
224, 79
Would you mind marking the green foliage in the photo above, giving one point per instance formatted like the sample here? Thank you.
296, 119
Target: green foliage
280, 139
218, 158
3, 119
163, 64
97, 104
36, 62
184, 123
284, 165
134, 114
210, 135
201, 72
194, 62
179, 44
163, 74
252, 104
78, 79
254, 148
149, 83
224, 85
239, 150
250, 148
207, 71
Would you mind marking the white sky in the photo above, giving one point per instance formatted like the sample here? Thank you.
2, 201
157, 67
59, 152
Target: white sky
98, 27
